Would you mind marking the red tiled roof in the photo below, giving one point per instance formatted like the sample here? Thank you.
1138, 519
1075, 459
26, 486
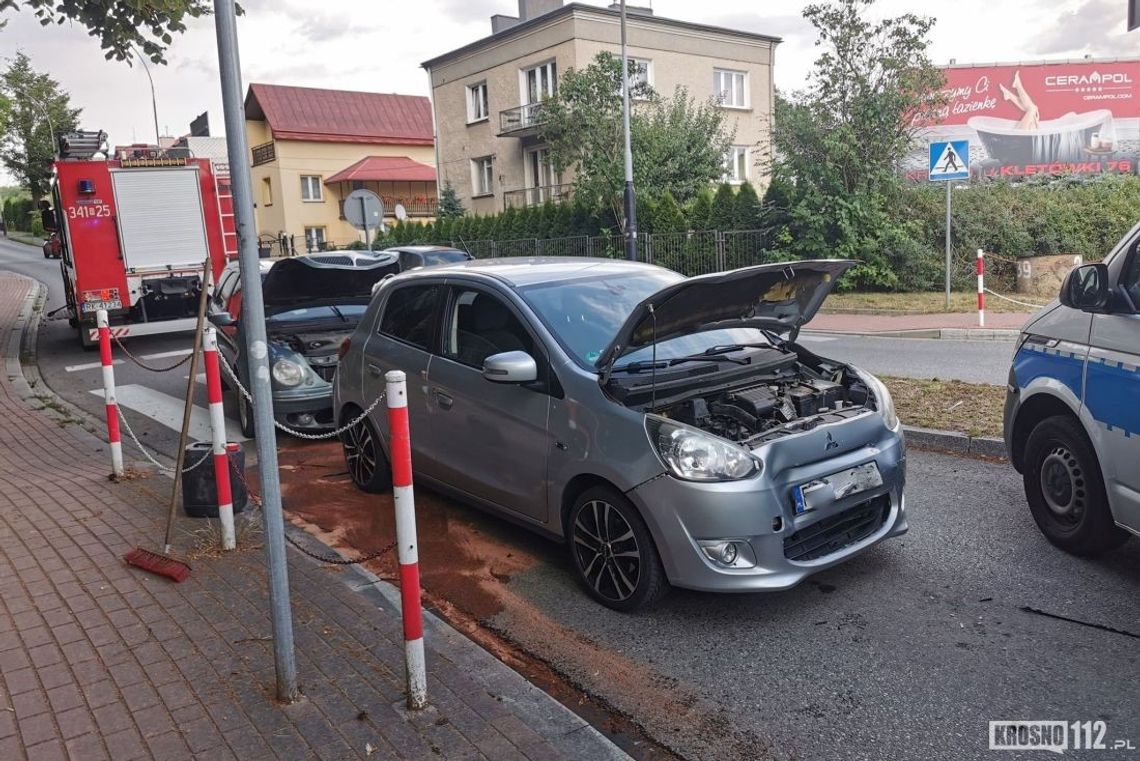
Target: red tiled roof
384, 169
341, 116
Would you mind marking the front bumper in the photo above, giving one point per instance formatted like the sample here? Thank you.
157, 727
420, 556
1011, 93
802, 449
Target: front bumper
311, 413
759, 514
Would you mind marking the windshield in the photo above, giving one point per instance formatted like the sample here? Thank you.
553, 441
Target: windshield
585, 315
349, 312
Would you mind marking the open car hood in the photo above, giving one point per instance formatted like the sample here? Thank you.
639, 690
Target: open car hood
779, 297
292, 283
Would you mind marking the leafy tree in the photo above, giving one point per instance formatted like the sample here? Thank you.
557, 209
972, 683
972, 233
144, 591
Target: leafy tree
723, 208
700, 210
449, 203
667, 216
37, 108
678, 144
120, 24
839, 140
747, 213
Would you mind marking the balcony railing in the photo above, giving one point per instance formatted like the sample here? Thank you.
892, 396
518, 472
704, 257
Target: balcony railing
521, 119
538, 196
263, 154
417, 206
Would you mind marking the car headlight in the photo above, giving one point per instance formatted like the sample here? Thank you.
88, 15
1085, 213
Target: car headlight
694, 455
882, 396
288, 373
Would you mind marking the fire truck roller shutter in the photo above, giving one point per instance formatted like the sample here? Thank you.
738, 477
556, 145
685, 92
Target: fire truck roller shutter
160, 218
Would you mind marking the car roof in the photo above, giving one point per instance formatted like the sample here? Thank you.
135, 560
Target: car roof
525, 271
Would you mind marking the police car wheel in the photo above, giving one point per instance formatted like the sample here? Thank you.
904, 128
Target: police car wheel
1065, 490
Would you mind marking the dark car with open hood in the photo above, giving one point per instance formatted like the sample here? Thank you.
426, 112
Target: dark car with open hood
670, 430
312, 303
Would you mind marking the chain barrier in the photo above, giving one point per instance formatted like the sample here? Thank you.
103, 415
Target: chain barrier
299, 434
147, 455
145, 366
1014, 301
255, 499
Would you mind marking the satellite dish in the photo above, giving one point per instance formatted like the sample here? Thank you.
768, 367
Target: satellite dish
401, 212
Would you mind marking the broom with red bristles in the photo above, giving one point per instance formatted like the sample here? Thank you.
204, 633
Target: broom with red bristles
163, 563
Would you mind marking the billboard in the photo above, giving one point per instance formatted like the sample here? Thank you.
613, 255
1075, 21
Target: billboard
1042, 118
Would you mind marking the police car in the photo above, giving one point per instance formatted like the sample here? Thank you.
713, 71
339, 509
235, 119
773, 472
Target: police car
1072, 411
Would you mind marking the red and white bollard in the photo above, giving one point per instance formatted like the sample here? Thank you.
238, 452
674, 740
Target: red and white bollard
107, 361
981, 289
218, 431
400, 452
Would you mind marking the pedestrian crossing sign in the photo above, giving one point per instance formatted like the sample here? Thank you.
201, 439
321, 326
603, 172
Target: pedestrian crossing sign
950, 160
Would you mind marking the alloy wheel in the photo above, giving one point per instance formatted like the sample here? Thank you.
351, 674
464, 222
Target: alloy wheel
360, 453
605, 548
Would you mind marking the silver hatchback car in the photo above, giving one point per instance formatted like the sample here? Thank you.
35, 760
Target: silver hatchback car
668, 429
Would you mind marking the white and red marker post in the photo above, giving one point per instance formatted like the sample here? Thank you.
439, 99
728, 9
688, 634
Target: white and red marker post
218, 443
112, 403
400, 450
981, 289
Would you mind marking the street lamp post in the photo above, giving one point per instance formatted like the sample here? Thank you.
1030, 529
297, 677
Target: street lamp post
630, 198
153, 101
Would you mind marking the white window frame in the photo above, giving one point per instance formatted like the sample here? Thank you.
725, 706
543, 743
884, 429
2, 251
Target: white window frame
308, 182
547, 92
719, 84
474, 102
648, 63
315, 236
736, 165
482, 176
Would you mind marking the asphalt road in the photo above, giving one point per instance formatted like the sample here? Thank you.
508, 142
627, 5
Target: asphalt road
905, 653
973, 361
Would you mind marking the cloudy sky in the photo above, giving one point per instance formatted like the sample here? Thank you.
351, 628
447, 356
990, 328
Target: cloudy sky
377, 45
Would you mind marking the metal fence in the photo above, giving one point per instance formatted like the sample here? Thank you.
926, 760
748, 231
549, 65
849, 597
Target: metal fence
691, 253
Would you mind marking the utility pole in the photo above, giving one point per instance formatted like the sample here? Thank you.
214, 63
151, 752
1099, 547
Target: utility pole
256, 350
630, 198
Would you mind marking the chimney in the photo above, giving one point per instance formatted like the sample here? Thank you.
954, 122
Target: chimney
529, 9
501, 23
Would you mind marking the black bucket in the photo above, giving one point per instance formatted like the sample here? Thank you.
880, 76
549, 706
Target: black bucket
199, 492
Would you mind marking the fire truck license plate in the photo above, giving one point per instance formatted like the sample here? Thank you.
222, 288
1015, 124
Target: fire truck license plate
104, 298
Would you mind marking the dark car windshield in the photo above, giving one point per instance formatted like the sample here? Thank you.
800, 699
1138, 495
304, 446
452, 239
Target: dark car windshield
450, 256
347, 312
585, 315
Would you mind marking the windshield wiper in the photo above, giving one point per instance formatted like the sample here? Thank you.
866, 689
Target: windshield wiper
713, 351
339, 313
636, 367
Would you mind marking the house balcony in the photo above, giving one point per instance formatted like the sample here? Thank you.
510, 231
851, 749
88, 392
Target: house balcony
415, 206
522, 121
264, 153
537, 196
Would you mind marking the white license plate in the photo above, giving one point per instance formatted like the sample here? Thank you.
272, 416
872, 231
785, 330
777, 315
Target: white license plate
837, 486
95, 306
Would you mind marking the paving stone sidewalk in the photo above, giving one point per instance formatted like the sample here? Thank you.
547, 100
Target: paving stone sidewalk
101, 661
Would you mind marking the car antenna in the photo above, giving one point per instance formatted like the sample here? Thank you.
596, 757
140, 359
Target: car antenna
653, 364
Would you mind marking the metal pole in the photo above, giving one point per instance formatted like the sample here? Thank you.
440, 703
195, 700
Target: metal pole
630, 198
948, 257
256, 349
153, 100
364, 217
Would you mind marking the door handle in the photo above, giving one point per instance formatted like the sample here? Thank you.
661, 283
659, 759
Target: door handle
374, 370
443, 400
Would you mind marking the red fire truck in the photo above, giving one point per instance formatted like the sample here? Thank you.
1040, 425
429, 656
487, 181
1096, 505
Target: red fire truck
136, 234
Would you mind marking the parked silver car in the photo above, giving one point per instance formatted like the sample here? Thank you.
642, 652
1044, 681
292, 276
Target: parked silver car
669, 430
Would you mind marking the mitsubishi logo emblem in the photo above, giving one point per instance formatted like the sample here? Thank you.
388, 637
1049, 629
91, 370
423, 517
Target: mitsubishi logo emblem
831, 443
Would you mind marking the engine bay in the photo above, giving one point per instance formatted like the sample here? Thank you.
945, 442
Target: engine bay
319, 347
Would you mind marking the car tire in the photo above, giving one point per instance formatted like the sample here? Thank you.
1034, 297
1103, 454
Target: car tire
1065, 489
245, 415
364, 457
612, 551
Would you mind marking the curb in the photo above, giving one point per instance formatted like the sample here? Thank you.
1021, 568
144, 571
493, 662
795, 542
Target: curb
957, 443
557, 724
950, 334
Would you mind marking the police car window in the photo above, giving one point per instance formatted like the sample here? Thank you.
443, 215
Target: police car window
410, 314
1131, 280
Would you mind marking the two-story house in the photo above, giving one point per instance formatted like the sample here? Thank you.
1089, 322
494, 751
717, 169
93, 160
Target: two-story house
312, 147
487, 95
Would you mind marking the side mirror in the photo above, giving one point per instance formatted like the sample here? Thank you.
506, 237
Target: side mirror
222, 319
1086, 288
510, 367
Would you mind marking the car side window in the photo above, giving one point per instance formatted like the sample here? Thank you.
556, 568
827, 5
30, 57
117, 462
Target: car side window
1131, 279
481, 325
410, 314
